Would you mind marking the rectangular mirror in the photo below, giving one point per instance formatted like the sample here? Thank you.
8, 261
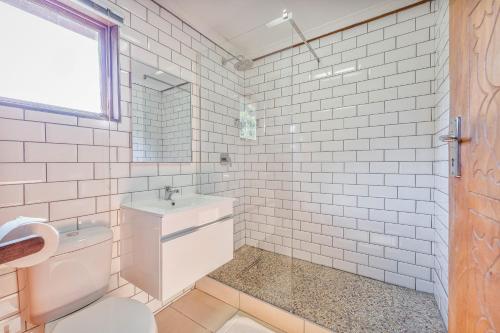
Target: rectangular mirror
161, 116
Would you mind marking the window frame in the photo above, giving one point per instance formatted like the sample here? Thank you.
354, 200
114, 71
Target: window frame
108, 42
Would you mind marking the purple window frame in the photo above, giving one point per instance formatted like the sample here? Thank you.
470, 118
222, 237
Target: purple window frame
108, 53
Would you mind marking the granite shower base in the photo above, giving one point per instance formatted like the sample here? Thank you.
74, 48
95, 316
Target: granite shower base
338, 300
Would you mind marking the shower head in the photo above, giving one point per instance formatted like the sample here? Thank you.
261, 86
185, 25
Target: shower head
242, 64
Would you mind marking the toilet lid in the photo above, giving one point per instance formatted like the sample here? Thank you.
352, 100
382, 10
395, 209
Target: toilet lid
112, 315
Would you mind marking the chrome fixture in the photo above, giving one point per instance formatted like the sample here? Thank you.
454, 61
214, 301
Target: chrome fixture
454, 138
241, 65
288, 17
169, 191
225, 159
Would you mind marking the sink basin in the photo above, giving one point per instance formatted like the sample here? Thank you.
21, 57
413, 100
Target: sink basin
166, 248
188, 212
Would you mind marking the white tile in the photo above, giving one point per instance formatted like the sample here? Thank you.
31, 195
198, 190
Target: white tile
414, 63
382, 22
382, 46
399, 29
374, 273
169, 41
120, 139
383, 70
418, 36
11, 195
414, 270
93, 154
36, 210
371, 37
72, 208
11, 112
144, 28
356, 31
48, 192
386, 240
49, 152
414, 12
400, 280
50, 117
133, 6
20, 130
11, 151
143, 169
144, 56
422, 88
69, 171
68, 134
13, 173
93, 188
132, 184
415, 245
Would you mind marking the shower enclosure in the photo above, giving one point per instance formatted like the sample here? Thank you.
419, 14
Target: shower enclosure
331, 208
263, 266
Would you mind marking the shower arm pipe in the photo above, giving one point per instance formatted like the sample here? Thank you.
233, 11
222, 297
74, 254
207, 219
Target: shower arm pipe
371, 19
303, 38
225, 61
288, 17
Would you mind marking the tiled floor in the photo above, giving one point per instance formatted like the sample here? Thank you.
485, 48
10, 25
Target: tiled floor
340, 301
196, 312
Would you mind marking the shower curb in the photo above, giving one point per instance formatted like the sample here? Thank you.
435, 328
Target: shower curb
257, 308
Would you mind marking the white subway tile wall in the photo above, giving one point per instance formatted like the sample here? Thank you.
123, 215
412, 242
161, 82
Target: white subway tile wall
161, 124
346, 171
146, 124
176, 124
76, 171
341, 173
441, 117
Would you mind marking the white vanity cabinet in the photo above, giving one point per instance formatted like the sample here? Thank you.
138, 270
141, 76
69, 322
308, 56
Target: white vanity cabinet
165, 248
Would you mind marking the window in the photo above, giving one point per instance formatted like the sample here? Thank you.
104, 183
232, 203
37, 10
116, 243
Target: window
56, 59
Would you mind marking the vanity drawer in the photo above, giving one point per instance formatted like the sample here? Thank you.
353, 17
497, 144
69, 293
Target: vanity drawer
189, 256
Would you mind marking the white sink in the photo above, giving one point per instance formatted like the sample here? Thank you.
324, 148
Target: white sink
189, 211
166, 248
163, 207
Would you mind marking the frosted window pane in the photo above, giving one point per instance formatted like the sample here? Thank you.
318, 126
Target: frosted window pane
248, 122
46, 63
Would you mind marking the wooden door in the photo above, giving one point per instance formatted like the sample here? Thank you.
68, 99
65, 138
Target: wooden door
474, 299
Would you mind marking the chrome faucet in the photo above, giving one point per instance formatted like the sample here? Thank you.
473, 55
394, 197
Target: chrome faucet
169, 191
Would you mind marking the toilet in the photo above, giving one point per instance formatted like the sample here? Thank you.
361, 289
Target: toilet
65, 292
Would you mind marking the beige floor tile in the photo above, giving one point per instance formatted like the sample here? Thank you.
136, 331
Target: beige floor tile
170, 320
204, 309
218, 290
313, 328
271, 314
263, 323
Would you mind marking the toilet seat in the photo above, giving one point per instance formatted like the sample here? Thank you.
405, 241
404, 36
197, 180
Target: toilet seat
111, 315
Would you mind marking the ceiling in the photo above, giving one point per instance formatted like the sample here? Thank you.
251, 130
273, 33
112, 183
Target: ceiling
239, 25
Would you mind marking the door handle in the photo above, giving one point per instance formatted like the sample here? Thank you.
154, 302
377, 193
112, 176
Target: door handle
447, 138
454, 138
